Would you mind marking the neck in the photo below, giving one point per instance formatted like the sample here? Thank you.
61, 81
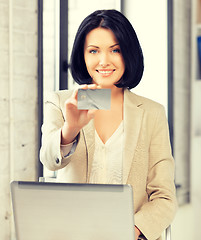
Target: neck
117, 97
116, 92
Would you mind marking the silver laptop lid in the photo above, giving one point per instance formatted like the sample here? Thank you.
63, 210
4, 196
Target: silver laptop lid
60, 211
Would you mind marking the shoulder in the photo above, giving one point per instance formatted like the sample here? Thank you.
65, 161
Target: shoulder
57, 97
144, 103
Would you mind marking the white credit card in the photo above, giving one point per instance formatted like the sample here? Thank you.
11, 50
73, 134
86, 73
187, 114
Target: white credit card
94, 99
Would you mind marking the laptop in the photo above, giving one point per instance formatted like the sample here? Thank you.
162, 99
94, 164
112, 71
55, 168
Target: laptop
62, 211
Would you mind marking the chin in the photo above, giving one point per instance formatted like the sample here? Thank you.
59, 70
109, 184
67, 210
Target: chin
105, 85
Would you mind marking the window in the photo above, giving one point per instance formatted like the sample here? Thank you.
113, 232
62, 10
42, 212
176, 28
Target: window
60, 23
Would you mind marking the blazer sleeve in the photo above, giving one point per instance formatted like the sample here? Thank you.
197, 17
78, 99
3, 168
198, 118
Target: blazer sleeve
155, 215
50, 153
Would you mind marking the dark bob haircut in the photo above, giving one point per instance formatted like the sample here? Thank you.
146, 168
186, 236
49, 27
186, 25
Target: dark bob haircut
127, 39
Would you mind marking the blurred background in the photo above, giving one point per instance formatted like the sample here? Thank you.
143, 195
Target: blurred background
36, 38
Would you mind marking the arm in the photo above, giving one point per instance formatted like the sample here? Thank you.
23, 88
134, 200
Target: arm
50, 154
68, 149
155, 215
62, 124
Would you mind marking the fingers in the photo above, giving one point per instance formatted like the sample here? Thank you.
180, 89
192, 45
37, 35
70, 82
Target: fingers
89, 86
92, 113
76, 118
73, 99
84, 86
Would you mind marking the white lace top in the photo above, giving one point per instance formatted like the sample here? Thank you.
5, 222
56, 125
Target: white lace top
107, 166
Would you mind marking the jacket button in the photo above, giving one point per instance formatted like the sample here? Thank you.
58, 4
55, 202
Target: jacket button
57, 160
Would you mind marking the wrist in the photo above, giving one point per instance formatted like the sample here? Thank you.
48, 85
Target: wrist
68, 134
137, 232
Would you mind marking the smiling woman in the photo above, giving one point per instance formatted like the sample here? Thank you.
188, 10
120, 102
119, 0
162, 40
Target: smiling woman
103, 57
127, 144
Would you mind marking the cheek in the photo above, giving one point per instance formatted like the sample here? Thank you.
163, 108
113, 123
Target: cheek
91, 67
120, 63
88, 62
122, 67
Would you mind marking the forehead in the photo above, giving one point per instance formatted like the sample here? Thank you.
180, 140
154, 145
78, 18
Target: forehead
100, 36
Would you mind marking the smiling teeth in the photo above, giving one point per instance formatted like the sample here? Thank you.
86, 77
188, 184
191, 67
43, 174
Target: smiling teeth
105, 72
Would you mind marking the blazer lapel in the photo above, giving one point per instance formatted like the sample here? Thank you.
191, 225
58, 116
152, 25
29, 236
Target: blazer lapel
132, 124
89, 136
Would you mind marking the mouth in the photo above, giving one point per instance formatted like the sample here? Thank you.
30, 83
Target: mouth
105, 72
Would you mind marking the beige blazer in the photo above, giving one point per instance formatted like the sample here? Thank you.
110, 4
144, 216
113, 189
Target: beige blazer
147, 163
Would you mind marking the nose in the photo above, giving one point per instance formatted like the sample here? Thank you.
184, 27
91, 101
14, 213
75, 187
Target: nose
104, 60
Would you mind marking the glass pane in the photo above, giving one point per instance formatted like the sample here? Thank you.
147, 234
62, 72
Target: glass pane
151, 28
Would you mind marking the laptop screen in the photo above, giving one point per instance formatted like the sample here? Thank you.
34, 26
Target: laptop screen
61, 211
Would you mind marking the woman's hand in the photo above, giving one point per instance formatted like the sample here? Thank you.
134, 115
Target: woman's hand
75, 119
137, 233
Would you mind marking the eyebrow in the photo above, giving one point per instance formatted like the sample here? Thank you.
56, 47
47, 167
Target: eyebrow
98, 47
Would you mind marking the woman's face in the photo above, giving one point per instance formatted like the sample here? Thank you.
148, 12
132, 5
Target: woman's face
103, 57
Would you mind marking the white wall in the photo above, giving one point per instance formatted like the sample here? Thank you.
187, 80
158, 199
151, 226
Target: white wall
18, 101
149, 19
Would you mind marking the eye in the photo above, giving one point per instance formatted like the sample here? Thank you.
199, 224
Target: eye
116, 50
93, 51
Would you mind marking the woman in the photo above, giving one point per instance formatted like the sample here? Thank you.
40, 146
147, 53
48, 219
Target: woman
128, 144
